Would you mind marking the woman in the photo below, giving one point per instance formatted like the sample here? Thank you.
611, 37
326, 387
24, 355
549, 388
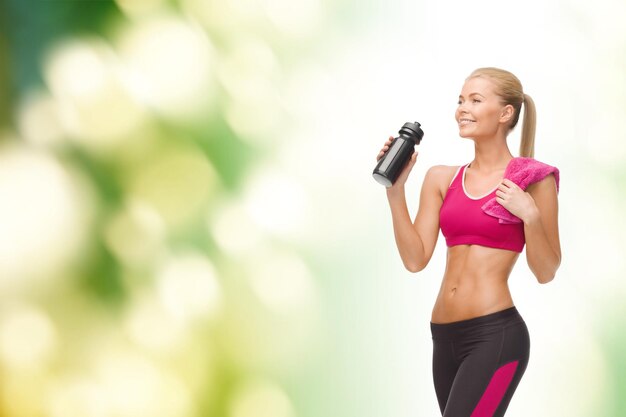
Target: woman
480, 341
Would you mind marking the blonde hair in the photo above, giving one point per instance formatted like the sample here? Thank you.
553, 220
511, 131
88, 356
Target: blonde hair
510, 90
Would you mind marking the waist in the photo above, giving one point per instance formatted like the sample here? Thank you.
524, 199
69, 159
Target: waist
476, 326
470, 290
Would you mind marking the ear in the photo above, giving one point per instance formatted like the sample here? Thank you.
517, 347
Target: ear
507, 113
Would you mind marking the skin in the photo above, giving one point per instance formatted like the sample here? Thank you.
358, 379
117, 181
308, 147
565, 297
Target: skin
475, 281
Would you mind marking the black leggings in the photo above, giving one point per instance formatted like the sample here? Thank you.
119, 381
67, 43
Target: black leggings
478, 363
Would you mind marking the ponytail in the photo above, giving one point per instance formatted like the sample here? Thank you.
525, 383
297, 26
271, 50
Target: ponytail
527, 143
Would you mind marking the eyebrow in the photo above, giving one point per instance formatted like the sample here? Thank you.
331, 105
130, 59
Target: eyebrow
472, 94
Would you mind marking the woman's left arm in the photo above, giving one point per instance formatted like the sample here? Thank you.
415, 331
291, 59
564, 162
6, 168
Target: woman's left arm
537, 207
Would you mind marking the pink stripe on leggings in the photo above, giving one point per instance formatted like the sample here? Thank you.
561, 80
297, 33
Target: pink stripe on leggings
495, 391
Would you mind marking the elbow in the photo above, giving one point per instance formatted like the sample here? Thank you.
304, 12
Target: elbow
415, 262
543, 277
546, 273
414, 266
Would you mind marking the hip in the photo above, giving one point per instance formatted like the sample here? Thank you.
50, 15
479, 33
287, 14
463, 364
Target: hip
478, 326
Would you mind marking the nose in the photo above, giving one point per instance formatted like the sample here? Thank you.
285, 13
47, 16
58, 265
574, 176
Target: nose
460, 110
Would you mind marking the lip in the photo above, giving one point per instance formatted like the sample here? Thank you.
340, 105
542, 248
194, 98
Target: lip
466, 122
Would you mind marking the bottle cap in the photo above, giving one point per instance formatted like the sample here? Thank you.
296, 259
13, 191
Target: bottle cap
413, 130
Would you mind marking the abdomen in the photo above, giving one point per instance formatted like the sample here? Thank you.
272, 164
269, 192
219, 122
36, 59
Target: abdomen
474, 283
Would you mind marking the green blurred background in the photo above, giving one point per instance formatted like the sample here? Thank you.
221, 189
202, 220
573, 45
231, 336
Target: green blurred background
189, 227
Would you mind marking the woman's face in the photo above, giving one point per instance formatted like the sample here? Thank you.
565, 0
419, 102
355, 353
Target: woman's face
480, 112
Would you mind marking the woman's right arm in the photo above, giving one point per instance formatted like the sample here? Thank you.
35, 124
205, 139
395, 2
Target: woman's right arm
416, 240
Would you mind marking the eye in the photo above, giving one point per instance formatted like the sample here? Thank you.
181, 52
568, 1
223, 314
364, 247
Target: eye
459, 102
476, 100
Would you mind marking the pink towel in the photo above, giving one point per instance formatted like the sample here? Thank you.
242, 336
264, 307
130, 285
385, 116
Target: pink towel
523, 172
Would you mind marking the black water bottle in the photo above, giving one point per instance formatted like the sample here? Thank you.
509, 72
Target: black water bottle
398, 155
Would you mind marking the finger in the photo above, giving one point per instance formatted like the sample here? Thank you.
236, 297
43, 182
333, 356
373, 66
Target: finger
503, 187
509, 183
382, 152
500, 194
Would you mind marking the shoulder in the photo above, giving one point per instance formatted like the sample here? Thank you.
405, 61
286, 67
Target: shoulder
530, 164
546, 185
549, 183
441, 173
440, 176
529, 171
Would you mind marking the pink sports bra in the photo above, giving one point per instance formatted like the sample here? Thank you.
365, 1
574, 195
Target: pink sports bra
463, 222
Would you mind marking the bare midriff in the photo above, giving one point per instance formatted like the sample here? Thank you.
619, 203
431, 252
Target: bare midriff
474, 284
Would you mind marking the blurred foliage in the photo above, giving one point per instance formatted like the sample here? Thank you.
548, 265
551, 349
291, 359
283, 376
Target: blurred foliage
130, 302
29, 28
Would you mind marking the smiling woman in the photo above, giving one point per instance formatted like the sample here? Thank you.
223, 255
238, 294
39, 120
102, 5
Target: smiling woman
480, 341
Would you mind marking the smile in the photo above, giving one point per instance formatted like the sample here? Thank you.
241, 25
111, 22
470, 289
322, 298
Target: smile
464, 122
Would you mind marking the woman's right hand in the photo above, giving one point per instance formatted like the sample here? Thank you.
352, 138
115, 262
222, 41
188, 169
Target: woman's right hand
404, 174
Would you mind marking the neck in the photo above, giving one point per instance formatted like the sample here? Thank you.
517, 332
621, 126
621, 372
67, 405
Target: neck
491, 155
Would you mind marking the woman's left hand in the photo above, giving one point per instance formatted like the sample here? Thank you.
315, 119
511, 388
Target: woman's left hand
517, 201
